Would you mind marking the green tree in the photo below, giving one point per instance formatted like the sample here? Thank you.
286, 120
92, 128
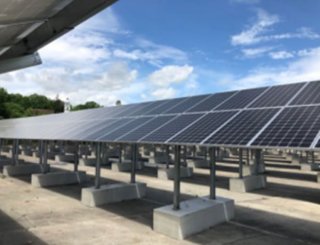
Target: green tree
13, 110
87, 105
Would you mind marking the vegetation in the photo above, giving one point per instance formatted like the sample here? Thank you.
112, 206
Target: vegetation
17, 105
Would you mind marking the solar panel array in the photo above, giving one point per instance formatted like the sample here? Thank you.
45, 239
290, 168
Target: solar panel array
277, 116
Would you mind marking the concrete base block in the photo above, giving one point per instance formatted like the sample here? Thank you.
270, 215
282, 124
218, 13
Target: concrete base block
252, 169
194, 216
58, 179
309, 167
64, 158
125, 166
24, 169
197, 163
248, 183
8, 161
168, 173
112, 193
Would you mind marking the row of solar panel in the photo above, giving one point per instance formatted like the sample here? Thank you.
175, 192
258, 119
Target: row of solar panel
274, 127
276, 96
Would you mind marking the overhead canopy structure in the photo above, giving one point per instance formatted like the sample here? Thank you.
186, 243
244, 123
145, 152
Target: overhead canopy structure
27, 25
284, 116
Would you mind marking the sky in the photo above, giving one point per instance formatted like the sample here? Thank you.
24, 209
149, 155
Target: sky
146, 50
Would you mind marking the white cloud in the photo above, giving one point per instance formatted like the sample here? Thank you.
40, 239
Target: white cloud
164, 93
250, 35
170, 74
254, 34
280, 55
255, 52
302, 69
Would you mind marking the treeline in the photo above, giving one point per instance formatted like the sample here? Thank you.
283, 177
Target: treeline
17, 105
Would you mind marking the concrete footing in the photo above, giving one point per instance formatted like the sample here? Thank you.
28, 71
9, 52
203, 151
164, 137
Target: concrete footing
168, 173
310, 167
197, 163
194, 216
124, 166
253, 169
8, 161
64, 158
248, 183
112, 193
58, 179
24, 169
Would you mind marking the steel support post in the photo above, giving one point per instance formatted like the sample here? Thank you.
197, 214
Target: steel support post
44, 154
212, 153
134, 151
98, 166
120, 153
176, 192
40, 151
76, 157
240, 164
257, 159
248, 157
167, 155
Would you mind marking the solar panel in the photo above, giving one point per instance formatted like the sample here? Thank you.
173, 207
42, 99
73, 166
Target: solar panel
170, 129
241, 129
145, 129
104, 129
277, 95
309, 95
148, 107
124, 129
211, 102
241, 99
203, 127
134, 108
293, 127
186, 104
164, 106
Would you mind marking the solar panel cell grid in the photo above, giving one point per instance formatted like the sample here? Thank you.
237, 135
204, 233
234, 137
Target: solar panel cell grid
211, 102
277, 96
241, 129
309, 95
202, 128
241, 99
165, 106
187, 104
117, 133
145, 129
162, 134
294, 127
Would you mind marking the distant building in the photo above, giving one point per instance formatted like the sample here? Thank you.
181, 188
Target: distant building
67, 106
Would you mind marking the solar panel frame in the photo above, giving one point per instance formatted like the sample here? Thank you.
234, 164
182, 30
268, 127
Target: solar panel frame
309, 96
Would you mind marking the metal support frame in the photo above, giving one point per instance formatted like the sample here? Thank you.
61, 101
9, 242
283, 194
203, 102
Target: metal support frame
212, 155
134, 151
176, 192
312, 157
98, 166
168, 156
248, 156
257, 159
76, 157
120, 153
44, 154
240, 164
185, 156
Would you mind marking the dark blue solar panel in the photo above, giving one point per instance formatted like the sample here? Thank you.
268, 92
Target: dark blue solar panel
164, 107
277, 95
293, 127
186, 104
241, 129
241, 99
211, 102
117, 133
164, 133
203, 127
145, 129
309, 95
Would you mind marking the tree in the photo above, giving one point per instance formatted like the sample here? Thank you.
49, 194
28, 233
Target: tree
87, 105
13, 110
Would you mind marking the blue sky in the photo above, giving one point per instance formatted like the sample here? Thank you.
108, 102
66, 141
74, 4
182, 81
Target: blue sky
145, 50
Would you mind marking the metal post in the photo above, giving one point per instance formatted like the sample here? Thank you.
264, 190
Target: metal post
257, 159
248, 157
1, 142
76, 157
176, 193
120, 153
40, 151
13, 149
134, 151
168, 156
185, 156
44, 154
240, 164
312, 157
212, 152
98, 165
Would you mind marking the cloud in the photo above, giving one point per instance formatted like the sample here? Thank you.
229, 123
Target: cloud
170, 74
303, 69
280, 55
250, 35
255, 52
254, 34
245, 1
164, 93
155, 54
